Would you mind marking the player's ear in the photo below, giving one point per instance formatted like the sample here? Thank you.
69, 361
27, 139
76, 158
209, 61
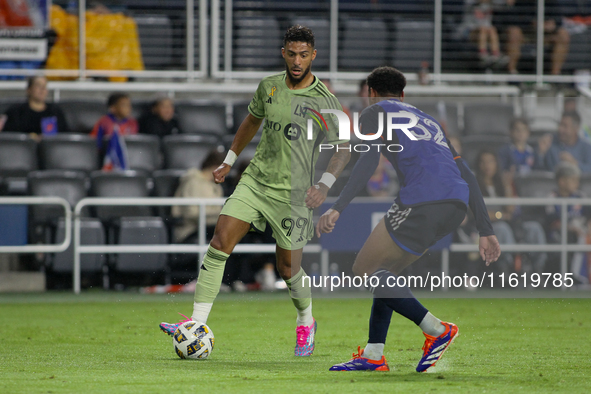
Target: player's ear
283, 52
402, 96
314, 54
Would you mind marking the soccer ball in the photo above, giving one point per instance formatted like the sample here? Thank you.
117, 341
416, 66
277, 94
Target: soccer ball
193, 340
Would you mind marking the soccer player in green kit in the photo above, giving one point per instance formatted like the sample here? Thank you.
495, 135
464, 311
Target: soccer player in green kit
277, 186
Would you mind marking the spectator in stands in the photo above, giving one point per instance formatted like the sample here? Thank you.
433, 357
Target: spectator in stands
565, 146
567, 181
118, 119
520, 19
36, 116
198, 183
160, 120
485, 33
506, 220
517, 157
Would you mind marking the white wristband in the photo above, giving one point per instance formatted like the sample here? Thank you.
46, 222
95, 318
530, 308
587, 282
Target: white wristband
230, 158
328, 179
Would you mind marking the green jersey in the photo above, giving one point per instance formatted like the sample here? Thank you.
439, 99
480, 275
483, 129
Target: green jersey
285, 159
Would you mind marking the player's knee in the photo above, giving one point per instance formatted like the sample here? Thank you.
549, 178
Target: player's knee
284, 271
219, 242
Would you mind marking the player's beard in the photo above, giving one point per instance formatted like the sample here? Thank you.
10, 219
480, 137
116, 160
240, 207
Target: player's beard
294, 81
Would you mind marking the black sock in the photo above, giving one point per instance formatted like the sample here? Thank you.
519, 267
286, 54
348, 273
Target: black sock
379, 322
400, 299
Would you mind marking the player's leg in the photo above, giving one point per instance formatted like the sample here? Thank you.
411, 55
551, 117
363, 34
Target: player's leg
289, 267
292, 228
228, 232
235, 220
396, 242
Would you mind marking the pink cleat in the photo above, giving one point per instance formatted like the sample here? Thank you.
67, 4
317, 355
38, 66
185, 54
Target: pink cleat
170, 328
305, 340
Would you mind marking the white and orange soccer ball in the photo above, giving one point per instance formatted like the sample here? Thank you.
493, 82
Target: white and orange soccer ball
193, 340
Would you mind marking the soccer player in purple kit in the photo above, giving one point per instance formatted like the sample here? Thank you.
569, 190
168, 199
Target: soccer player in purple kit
436, 187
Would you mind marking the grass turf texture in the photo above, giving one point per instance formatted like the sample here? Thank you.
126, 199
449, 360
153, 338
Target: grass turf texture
110, 342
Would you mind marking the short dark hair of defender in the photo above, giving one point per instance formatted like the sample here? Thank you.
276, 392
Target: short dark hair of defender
576, 118
387, 81
299, 33
115, 97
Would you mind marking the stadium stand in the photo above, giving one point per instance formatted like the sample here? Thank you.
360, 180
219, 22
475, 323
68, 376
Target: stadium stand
186, 151
75, 152
81, 115
409, 54
487, 118
202, 118
18, 156
143, 152
255, 37
155, 33
364, 45
473, 144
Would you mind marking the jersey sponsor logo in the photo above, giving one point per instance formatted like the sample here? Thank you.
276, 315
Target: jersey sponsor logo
292, 131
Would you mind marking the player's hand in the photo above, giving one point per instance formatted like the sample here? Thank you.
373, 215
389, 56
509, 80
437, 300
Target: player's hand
327, 222
219, 174
489, 248
316, 195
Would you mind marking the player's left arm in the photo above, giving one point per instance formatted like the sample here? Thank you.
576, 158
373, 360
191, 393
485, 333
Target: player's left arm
316, 194
489, 247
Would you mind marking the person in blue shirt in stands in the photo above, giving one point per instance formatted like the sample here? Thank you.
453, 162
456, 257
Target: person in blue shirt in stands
565, 146
517, 157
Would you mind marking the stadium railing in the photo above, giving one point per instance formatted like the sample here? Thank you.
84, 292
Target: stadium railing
200, 247
563, 248
205, 41
40, 248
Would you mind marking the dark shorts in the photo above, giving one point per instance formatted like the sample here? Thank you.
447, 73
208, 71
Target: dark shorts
416, 229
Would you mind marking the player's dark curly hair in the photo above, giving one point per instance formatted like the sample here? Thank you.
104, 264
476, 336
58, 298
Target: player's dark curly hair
299, 33
386, 81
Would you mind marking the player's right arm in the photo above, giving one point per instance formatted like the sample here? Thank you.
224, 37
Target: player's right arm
489, 247
245, 133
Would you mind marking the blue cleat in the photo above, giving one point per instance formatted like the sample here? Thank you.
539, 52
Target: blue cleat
305, 340
434, 347
360, 363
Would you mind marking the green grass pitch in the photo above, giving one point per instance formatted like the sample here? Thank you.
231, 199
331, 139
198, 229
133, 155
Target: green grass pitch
110, 343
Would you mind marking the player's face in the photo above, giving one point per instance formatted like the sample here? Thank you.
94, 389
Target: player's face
298, 60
